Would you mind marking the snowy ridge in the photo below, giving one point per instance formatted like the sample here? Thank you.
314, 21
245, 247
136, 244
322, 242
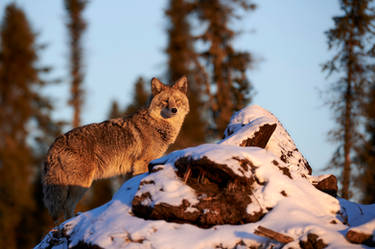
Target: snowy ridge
246, 122
187, 195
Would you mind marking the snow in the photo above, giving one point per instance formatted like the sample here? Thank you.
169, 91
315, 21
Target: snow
172, 188
246, 123
301, 208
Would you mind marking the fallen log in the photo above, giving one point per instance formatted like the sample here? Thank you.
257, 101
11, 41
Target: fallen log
268, 233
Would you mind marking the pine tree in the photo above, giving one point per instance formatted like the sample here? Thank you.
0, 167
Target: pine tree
182, 60
22, 109
226, 67
114, 111
76, 26
366, 149
366, 181
348, 38
180, 49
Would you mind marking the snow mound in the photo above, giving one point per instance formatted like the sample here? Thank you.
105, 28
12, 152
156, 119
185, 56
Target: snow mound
216, 184
253, 189
244, 126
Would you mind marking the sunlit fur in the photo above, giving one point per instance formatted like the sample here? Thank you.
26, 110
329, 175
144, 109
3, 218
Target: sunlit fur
117, 146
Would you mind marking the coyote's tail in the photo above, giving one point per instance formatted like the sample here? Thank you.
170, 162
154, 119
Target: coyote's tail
54, 198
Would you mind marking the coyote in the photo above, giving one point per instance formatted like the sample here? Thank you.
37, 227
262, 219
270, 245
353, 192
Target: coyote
113, 147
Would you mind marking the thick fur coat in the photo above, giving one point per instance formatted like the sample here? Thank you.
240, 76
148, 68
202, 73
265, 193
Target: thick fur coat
113, 147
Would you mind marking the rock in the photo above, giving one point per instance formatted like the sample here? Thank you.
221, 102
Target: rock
223, 196
255, 126
215, 184
327, 184
261, 137
357, 237
219, 184
313, 242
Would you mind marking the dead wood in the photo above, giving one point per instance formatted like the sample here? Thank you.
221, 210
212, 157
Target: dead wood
268, 233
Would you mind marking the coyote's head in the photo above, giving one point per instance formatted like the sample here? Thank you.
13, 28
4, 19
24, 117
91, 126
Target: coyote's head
169, 102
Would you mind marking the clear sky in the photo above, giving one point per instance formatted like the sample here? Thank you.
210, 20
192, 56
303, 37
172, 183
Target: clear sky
126, 39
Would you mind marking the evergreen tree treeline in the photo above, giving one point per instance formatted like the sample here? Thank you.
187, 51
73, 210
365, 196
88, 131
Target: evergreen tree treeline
226, 67
351, 36
26, 128
76, 25
182, 59
366, 178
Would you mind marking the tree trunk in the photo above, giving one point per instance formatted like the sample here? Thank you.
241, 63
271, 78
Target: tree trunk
347, 141
348, 123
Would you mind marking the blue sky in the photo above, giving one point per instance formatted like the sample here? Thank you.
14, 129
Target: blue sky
126, 39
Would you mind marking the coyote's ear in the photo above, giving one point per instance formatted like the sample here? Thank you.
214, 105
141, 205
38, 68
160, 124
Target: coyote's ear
181, 84
156, 86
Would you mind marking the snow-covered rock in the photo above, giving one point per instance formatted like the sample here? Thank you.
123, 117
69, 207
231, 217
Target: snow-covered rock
253, 189
244, 126
215, 184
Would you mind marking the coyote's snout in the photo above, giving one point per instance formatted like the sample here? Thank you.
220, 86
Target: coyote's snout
113, 147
